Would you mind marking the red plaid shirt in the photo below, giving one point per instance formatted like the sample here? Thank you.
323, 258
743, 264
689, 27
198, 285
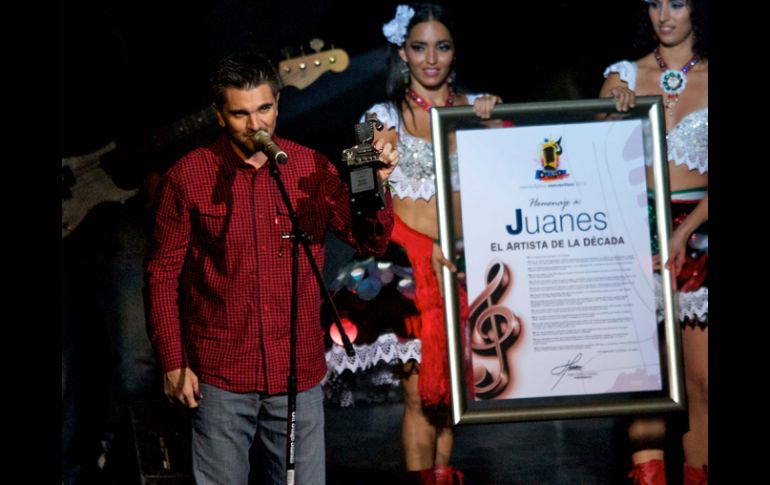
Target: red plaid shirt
219, 270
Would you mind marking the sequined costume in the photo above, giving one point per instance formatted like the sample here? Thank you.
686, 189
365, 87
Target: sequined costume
394, 301
687, 144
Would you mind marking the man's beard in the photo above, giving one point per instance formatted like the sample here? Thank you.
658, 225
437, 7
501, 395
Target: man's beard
243, 142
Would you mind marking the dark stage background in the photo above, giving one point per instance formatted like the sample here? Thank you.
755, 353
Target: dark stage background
129, 68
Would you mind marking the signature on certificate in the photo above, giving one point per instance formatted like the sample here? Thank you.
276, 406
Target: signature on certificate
561, 370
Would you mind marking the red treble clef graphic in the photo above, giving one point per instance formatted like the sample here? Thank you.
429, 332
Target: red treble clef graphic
494, 329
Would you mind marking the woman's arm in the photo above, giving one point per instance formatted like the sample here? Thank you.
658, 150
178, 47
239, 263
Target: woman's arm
484, 104
618, 89
678, 242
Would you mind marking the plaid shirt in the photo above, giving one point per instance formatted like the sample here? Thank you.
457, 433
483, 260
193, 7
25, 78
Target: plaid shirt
219, 270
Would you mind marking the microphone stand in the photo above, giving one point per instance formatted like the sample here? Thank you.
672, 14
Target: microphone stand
299, 236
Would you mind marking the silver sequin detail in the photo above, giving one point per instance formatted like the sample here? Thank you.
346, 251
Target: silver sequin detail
688, 142
414, 177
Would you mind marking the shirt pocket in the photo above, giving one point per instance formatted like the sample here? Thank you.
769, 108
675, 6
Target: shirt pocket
213, 221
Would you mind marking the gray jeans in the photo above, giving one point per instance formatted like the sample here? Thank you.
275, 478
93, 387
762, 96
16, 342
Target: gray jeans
224, 427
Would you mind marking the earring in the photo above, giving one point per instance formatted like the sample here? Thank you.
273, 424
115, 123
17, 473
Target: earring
452, 77
405, 75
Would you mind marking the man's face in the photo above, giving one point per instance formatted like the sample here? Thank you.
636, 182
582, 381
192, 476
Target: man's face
246, 111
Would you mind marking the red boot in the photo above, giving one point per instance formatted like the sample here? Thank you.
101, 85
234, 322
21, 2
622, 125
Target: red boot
421, 477
651, 472
695, 476
446, 475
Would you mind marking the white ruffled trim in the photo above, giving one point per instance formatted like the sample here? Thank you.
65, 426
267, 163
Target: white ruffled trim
403, 190
403, 185
692, 304
692, 163
627, 72
687, 148
387, 348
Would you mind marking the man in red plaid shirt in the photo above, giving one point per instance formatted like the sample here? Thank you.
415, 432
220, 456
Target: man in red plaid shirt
219, 282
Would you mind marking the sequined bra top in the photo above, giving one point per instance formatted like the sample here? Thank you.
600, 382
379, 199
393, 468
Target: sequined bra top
414, 177
688, 141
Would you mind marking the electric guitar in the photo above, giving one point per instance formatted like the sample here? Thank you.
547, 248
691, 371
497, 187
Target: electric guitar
85, 184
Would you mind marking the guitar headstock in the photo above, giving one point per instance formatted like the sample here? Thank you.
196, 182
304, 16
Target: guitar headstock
304, 70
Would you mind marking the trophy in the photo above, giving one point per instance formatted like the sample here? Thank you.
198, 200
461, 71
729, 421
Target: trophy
362, 160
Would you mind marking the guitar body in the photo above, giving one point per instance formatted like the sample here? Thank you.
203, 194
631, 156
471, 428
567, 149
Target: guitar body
85, 184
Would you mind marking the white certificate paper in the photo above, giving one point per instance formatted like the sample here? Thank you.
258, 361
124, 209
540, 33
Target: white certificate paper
563, 210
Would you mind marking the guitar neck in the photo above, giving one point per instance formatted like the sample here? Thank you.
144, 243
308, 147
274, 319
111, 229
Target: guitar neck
185, 127
302, 71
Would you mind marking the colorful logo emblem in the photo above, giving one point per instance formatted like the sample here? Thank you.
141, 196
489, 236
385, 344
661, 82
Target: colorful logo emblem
550, 153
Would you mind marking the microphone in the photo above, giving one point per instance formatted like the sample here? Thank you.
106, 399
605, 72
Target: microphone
263, 142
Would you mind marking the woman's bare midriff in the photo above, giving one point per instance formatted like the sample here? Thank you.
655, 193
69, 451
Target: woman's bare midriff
421, 214
681, 177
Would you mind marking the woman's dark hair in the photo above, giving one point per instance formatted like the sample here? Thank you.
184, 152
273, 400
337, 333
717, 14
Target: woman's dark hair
243, 70
646, 39
395, 87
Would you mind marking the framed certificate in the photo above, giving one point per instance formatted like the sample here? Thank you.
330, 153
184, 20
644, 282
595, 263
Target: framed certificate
553, 212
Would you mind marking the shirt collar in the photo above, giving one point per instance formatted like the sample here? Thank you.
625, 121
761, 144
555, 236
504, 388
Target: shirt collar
229, 161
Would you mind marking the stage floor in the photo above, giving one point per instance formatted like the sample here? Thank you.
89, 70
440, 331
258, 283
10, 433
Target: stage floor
363, 447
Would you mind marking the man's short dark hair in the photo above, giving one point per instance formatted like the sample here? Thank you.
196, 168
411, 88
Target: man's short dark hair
243, 70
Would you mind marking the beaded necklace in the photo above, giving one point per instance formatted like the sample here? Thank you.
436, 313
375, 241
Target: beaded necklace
450, 100
673, 82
